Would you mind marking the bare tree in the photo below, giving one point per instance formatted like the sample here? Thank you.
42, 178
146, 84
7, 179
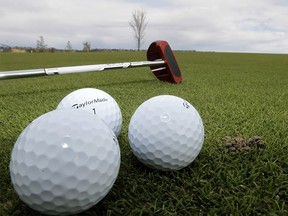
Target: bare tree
139, 24
69, 46
41, 46
86, 46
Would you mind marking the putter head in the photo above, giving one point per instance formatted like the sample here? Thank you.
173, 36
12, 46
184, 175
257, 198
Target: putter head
170, 72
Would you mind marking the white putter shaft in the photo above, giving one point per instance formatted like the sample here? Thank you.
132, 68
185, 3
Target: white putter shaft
74, 69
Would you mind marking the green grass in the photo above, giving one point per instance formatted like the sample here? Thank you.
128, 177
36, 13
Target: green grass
244, 93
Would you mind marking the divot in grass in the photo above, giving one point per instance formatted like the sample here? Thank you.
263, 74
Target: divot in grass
239, 144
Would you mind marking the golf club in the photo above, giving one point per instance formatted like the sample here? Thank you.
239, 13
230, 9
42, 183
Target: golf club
160, 58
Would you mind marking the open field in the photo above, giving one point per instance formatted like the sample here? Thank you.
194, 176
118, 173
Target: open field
245, 93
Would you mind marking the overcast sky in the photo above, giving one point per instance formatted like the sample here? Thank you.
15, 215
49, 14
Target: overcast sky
204, 25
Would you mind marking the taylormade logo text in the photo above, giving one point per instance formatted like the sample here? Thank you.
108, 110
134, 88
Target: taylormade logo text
87, 103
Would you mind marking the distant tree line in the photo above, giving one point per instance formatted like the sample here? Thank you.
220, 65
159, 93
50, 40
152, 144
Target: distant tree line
41, 46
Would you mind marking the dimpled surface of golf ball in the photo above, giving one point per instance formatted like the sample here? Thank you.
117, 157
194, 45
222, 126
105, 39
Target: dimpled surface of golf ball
64, 162
96, 102
166, 133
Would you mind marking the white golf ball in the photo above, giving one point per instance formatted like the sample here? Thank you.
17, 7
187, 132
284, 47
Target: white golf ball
64, 162
96, 102
166, 133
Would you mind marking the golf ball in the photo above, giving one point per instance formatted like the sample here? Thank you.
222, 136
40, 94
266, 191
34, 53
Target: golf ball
166, 133
64, 162
96, 102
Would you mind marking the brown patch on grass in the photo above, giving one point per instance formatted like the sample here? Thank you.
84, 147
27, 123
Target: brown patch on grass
239, 144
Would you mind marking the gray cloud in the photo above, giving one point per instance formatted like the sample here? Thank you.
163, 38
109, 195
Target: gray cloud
205, 25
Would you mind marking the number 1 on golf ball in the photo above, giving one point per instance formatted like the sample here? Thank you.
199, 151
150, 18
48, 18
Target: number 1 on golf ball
96, 102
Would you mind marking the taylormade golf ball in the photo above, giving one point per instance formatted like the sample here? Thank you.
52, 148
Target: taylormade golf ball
97, 102
64, 162
166, 133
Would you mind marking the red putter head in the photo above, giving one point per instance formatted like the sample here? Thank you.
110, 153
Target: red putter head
170, 72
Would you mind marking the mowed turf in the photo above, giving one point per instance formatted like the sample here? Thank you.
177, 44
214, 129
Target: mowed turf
234, 93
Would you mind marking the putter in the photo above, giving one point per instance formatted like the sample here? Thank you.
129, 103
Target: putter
161, 61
